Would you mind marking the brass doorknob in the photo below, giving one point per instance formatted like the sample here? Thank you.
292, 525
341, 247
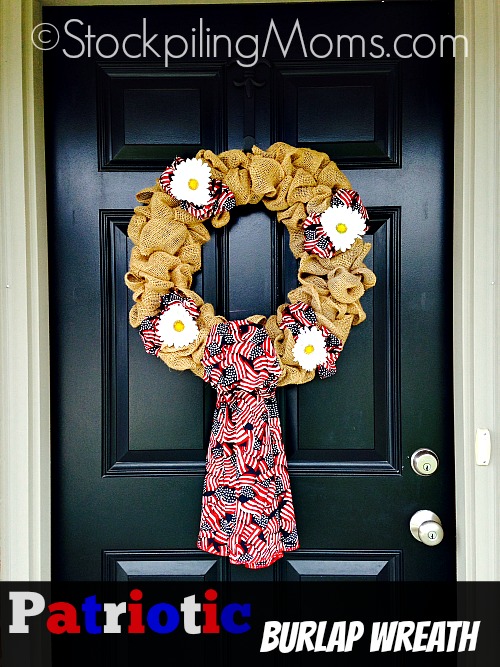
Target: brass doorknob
425, 526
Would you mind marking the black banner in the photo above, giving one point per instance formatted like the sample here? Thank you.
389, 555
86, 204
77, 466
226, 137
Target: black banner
125, 624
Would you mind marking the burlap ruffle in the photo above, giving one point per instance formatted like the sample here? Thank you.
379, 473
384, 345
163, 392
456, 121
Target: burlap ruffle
293, 182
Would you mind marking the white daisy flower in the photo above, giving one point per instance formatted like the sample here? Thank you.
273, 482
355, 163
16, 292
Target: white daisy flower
309, 350
343, 226
190, 182
176, 327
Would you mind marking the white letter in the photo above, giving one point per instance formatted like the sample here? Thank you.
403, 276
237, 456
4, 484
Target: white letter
330, 46
454, 40
112, 612
255, 54
336, 641
469, 636
454, 627
270, 638
173, 55
351, 39
405, 628
146, 44
130, 55
189, 608
378, 46
90, 36
437, 636
70, 34
306, 631
109, 55
356, 629
284, 50
20, 611
420, 635
383, 634
421, 55
400, 55
292, 636
216, 39
319, 646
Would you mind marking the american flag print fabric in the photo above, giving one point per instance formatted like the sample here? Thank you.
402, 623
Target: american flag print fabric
247, 509
221, 197
300, 315
316, 240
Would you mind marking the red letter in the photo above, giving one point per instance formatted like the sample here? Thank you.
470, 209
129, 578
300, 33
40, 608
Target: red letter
63, 622
210, 625
136, 625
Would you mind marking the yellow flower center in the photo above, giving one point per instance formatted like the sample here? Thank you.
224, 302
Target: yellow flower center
179, 326
193, 184
341, 228
309, 349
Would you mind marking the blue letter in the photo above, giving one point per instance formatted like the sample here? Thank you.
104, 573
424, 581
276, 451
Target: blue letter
90, 607
227, 618
153, 618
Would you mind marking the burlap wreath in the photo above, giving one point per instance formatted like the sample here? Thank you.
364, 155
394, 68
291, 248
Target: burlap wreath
292, 182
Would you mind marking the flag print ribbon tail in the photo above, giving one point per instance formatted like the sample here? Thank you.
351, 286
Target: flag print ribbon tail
247, 507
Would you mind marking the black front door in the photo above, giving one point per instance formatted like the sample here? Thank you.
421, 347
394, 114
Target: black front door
129, 434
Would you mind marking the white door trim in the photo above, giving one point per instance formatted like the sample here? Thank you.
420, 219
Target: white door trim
476, 314
24, 324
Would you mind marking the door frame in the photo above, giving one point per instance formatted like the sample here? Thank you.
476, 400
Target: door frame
25, 498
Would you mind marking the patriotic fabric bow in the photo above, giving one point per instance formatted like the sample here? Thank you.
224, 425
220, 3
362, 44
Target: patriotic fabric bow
301, 319
151, 331
189, 181
337, 228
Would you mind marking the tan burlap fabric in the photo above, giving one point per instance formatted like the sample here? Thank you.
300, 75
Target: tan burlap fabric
292, 182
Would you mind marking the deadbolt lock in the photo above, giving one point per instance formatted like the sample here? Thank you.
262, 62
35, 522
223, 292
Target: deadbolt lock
424, 462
